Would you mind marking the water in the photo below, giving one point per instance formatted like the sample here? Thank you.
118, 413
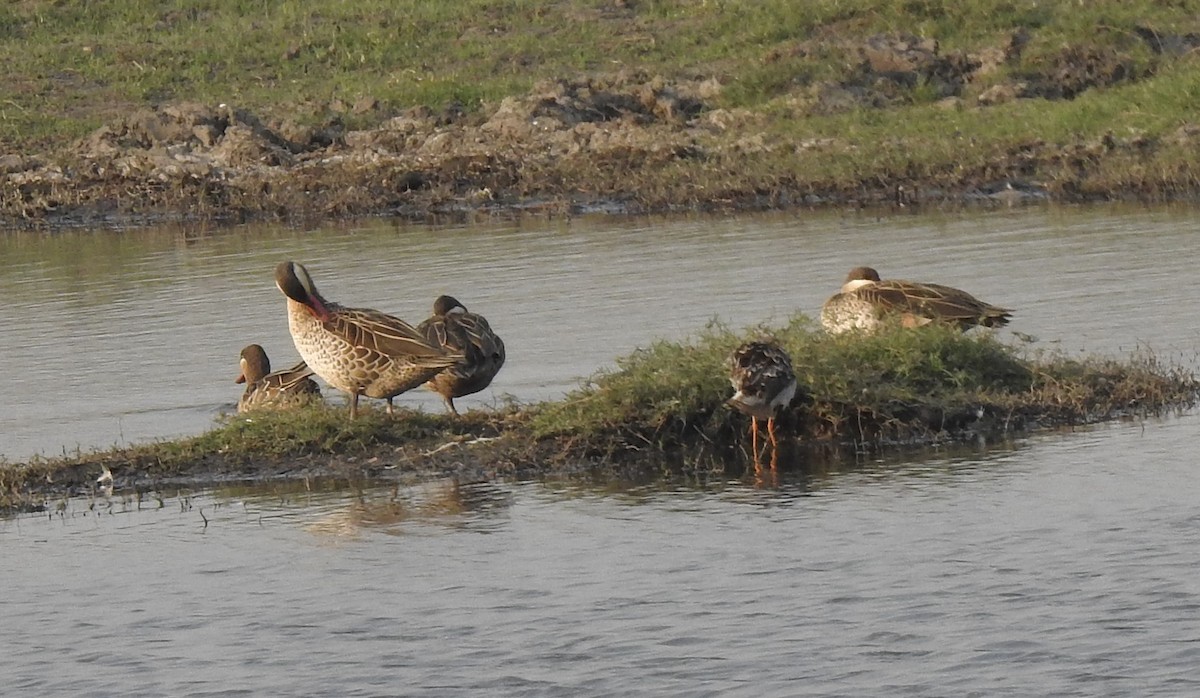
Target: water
1061, 564
1063, 567
118, 338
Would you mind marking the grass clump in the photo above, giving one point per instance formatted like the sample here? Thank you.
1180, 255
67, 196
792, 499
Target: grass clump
924, 385
312, 429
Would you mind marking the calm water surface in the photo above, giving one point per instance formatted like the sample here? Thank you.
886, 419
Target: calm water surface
1058, 565
1064, 567
115, 338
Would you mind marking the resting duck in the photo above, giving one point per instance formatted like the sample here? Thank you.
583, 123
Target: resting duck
456, 329
279, 389
865, 301
761, 373
357, 350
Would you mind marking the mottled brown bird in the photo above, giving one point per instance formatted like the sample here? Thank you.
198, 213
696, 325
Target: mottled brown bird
761, 374
866, 303
357, 350
457, 330
265, 388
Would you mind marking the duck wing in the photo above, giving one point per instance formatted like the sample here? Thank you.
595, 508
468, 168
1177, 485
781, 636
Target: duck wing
477, 333
380, 332
934, 301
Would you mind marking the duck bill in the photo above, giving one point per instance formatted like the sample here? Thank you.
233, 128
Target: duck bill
240, 379
317, 306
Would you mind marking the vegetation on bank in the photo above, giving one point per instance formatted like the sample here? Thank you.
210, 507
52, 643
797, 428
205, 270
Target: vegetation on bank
658, 104
890, 389
664, 404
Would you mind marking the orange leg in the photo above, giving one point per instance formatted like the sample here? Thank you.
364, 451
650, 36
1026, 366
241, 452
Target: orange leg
754, 441
774, 444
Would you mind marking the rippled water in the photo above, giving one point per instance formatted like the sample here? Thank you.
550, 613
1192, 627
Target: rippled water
1063, 567
112, 338
1059, 565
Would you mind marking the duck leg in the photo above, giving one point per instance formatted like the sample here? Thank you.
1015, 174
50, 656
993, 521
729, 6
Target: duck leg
450, 404
390, 409
353, 405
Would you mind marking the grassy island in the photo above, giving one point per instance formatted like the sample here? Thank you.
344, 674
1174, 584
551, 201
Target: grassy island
661, 408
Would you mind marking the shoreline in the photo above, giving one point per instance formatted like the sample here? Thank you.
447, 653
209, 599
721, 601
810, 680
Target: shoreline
662, 412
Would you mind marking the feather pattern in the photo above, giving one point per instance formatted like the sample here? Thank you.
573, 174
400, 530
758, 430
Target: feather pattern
265, 388
357, 350
456, 329
761, 374
866, 302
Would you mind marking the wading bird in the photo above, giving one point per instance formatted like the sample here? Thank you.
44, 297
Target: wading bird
762, 376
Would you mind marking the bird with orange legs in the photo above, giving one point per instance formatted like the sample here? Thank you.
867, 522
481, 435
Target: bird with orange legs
761, 373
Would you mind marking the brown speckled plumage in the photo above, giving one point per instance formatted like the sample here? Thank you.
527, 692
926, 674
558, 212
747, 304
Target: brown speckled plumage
761, 374
456, 329
866, 303
265, 388
357, 350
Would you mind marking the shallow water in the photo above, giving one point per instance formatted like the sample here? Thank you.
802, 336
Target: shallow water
1057, 565
116, 338
1064, 566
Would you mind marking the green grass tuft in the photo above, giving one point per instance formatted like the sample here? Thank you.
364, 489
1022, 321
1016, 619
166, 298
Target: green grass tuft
901, 385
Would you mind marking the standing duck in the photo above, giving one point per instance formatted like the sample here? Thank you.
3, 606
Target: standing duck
357, 350
761, 373
279, 389
456, 329
865, 302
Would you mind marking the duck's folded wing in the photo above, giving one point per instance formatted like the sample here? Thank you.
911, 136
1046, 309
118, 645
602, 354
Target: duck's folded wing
380, 332
930, 300
478, 333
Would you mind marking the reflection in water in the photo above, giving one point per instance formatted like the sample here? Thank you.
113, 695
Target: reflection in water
1049, 569
802, 472
446, 501
119, 337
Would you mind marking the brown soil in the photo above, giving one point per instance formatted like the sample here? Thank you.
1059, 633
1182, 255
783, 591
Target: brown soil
629, 142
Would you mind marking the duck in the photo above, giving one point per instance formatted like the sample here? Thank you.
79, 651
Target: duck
360, 351
761, 374
280, 388
865, 302
456, 329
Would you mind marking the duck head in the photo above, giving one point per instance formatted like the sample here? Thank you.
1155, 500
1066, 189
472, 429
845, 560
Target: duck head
254, 364
444, 305
859, 277
295, 283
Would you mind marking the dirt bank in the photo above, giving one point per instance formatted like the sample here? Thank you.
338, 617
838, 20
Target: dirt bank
626, 142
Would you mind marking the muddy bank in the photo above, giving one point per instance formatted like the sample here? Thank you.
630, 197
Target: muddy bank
627, 142
137, 473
